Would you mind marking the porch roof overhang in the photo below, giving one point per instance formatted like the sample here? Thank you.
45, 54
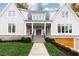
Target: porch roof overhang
38, 21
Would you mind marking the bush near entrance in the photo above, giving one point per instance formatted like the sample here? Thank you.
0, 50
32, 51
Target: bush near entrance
23, 39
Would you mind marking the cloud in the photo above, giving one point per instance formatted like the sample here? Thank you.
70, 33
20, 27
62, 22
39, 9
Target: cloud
50, 9
32, 6
45, 4
61, 4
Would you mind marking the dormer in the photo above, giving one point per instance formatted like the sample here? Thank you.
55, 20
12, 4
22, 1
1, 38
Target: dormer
38, 15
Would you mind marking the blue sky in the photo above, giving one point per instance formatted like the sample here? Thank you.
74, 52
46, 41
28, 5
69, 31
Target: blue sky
45, 5
2, 5
53, 5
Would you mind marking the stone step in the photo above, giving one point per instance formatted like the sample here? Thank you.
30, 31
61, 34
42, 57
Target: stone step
38, 39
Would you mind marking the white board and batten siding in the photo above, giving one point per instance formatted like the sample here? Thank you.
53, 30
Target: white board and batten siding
18, 20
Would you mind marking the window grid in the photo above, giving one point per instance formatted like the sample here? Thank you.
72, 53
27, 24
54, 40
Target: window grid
65, 28
11, 28
11, 13
38, 17
65, 14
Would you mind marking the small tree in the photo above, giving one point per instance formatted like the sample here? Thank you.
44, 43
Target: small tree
75, 6
22, 5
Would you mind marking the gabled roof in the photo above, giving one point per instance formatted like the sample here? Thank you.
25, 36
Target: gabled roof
7, 6
68, 6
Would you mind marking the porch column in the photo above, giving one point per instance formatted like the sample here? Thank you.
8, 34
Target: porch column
32, 28
45, 28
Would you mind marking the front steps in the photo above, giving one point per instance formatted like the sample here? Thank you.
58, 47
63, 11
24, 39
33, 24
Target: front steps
38, 39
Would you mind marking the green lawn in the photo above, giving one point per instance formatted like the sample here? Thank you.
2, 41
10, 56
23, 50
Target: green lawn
15, 49
53, 51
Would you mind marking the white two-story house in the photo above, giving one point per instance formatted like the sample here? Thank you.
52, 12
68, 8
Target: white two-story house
61, 24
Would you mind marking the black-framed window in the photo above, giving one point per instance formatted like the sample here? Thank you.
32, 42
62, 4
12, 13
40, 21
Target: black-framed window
64, 28
59, 28
70, 29
11, 28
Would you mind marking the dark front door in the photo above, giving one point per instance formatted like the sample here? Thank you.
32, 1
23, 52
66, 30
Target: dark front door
38, 32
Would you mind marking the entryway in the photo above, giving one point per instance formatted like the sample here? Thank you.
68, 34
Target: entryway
38, 31
38, 28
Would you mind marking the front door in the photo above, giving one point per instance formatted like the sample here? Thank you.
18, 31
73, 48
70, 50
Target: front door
38, 32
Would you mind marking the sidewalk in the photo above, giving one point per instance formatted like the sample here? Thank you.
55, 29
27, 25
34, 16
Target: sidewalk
38, 49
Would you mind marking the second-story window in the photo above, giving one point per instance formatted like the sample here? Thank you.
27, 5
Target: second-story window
38, 17
11, 13
65, 14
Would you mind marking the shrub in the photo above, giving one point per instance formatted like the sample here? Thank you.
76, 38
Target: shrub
0, 40
75, 52
52, 39
26, 40
49, 40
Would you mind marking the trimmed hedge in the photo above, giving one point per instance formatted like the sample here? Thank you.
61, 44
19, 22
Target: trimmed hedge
27, 40
50, 40
66, 49
23, 39
63, 48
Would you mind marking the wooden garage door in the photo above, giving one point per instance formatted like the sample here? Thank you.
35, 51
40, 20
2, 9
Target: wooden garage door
66, 41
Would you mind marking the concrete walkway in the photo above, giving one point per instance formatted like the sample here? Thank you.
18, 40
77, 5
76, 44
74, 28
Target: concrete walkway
38, 49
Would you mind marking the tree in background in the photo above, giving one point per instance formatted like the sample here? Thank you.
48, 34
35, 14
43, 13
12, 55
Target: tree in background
75, 6
22, 5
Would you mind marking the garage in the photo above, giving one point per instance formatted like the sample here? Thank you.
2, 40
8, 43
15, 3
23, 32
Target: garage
65, 41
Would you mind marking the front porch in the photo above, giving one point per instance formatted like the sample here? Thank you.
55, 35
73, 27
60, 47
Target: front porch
38, 29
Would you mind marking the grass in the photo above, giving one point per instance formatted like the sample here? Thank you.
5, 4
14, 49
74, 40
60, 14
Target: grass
53, 51
15, 49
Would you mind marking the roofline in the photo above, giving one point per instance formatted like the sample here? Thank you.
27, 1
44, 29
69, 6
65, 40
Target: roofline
69, 8
8, 6
4, 9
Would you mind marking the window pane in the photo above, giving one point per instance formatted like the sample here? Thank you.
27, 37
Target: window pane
66, 14
66, 28
62, 29
62, 13
13, 28
70, 29
9, 28
59, 28
11, 13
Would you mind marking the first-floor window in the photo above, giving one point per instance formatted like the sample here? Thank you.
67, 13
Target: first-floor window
64, 28
11, 28
70, 29
59, 28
